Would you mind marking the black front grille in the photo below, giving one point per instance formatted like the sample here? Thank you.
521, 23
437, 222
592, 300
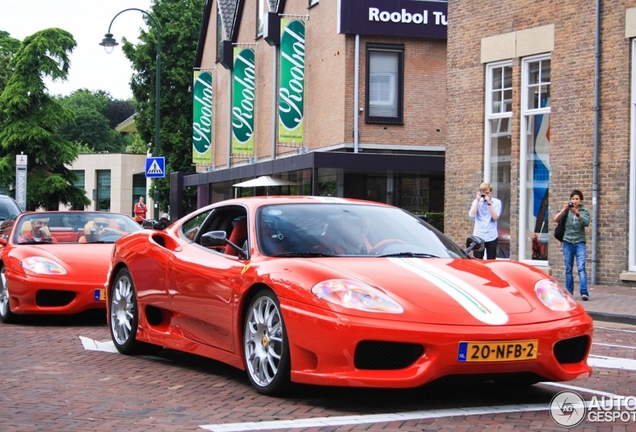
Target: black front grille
51, 298
571, 350
378, 355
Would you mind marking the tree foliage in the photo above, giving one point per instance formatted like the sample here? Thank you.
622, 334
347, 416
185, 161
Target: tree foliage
8, 48
96, 114
180, 23
29, 119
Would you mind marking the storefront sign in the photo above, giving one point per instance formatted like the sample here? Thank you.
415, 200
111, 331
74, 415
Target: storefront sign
202, 118
408, 18
243, 97
291, 94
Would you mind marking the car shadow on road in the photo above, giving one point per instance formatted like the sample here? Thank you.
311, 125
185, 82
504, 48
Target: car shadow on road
94, 317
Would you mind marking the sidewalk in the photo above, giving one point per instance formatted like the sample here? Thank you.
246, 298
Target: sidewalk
610, 303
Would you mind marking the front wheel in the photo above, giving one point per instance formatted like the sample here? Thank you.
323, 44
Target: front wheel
124, 316
265, 345
6, 316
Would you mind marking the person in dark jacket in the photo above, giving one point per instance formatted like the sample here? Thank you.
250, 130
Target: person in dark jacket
573, 245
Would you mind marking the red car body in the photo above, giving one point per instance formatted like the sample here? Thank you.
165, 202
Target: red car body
67, 275
406, 316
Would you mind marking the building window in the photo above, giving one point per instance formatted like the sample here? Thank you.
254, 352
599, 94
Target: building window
534, 172
80, 184
632, 169
81, 180
313, 2
263, 8
219, 35
498, 138
384, 84
102, 200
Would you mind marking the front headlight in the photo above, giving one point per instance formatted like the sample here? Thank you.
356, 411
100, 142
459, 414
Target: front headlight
554, 295
41, 265
355, 295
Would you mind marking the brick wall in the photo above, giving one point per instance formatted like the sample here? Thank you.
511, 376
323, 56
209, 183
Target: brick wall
572, 117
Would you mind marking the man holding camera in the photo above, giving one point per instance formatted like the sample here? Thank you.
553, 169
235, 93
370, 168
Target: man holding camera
486, 210
573, 245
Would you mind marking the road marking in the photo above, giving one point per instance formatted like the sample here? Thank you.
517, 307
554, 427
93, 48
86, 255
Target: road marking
392, 417
373, 418
93, 345
615, 329
614, 346
611, 362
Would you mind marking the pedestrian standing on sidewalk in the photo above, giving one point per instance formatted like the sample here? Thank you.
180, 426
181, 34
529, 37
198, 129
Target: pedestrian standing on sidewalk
573, 245
140, 211
486, 210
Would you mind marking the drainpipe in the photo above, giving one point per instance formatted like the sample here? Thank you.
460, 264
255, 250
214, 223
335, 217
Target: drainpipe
356, 88
229, 121
274, 99
597, 108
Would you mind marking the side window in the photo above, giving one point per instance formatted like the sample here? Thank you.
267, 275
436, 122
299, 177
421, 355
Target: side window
191, 228
385, 84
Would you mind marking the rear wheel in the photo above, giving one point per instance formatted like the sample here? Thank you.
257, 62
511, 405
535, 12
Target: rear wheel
124, 316
265, 345
6, 316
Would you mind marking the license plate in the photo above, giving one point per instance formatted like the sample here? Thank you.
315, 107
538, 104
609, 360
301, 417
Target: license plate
100, 294
498, 351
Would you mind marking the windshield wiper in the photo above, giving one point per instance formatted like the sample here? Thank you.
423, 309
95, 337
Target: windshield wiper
303, 254
409, 254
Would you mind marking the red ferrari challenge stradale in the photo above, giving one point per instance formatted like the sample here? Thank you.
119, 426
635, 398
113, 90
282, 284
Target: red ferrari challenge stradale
339, 292
57, 262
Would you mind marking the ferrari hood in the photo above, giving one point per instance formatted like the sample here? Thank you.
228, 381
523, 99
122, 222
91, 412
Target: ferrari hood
88, 261
454, 291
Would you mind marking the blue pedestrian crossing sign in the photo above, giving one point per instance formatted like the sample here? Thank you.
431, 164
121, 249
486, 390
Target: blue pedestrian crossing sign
155, 167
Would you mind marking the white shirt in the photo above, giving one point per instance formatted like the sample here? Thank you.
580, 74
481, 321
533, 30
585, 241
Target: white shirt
485, 225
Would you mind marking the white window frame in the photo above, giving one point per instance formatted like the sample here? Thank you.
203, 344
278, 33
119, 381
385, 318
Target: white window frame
490, 115
523, 151
394, 97
632, 168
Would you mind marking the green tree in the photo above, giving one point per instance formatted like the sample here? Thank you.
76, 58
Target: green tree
92, 125
29, 118
8, 48
180, 24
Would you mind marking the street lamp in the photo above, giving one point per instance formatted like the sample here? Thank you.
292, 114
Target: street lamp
109, 43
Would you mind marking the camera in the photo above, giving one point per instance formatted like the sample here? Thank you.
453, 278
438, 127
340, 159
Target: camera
483, 196
570, 204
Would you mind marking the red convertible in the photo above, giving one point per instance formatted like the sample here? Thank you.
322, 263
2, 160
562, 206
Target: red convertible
339, 292
57, 262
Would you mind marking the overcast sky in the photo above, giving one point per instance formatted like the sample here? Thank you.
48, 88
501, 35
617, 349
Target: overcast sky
87, 20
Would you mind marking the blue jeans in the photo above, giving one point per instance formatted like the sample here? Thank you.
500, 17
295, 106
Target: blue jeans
571, 251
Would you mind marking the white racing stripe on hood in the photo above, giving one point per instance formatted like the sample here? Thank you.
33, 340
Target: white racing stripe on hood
471, 299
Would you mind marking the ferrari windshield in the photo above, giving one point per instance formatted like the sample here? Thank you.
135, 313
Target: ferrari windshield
330, 229
73, 227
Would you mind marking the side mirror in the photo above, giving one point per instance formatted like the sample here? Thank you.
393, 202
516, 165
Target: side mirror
474, 243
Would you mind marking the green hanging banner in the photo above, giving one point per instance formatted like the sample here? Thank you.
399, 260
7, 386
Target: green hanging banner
291, 94
202, 119
244, 93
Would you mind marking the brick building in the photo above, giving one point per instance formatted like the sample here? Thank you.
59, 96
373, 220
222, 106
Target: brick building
364, 80
541, 101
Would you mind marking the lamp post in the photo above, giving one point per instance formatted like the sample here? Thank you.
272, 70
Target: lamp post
109, 43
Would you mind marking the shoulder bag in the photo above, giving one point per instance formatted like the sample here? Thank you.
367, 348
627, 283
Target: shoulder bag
559, 231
